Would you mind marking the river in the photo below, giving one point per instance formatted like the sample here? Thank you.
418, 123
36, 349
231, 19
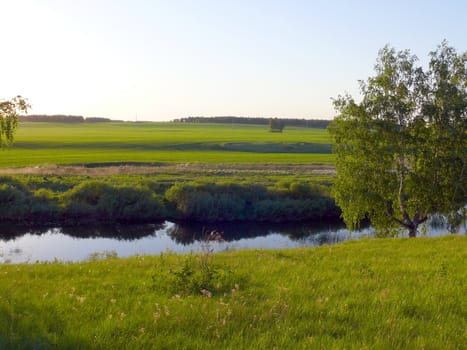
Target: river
78, 243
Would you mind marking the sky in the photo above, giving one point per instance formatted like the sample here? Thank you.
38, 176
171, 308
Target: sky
160, 60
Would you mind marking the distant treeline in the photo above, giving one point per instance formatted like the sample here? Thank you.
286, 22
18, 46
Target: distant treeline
60, 118
304, 123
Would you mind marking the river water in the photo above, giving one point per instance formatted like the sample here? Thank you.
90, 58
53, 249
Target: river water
78, 243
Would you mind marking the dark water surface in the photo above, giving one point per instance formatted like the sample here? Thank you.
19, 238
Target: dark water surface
18, 245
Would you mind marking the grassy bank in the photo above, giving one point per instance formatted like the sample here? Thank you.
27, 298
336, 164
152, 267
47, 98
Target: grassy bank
370, 294
139, 199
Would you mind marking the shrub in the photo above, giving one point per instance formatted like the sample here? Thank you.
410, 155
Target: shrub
210, 202
231, 202
44, 206
14, 202
193, 277
81, 202
17, 203
299, 189
126, 204
197, 274
86, 193
283, 185
6, 180
94, 199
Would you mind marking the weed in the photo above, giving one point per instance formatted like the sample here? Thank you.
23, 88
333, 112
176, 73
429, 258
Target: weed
196, 273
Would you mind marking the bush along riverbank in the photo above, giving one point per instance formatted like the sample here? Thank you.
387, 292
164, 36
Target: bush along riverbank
57, 200
367, 294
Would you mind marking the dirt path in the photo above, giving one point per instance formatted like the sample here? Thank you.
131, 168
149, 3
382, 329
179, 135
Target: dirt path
154, 169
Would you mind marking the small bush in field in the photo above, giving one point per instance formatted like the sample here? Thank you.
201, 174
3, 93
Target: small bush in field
194, 277
196, 274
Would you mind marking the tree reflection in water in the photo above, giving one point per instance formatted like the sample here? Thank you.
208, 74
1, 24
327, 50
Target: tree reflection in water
12, 232
188, 233
118, 232
24, 244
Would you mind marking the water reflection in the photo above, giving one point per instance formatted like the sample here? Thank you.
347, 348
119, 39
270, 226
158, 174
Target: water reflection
11, 232
30, 244
118, 232
187, 233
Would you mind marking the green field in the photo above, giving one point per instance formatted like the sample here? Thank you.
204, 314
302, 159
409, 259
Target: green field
61, 143
49, 162
369, 294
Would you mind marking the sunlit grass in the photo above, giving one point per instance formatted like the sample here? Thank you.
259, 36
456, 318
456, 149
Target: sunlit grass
374, 294
33, 157
161, 133
61, 143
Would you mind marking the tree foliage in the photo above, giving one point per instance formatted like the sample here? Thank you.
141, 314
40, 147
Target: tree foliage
60, 118
401, 150
9, 115
276, 125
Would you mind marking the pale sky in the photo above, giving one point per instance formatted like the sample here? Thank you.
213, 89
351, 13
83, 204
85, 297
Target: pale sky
160, 60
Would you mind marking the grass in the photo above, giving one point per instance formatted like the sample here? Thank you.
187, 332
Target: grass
369, 294
61, 143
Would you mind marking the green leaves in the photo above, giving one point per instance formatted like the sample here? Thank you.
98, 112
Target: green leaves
401, 150
9, 113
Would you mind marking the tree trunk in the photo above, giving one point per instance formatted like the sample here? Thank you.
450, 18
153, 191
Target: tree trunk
413, 231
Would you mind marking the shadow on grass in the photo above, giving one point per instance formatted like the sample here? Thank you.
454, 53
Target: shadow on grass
22, 327
248, 147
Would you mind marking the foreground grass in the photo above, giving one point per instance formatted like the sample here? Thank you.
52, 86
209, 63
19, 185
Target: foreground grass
378, 294
61, 143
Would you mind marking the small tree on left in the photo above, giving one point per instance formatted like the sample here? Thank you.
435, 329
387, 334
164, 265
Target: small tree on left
9, 115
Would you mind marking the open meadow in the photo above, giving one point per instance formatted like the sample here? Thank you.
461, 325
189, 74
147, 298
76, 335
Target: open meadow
84, 143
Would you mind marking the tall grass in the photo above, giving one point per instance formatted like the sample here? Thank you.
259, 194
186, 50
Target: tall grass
370, 294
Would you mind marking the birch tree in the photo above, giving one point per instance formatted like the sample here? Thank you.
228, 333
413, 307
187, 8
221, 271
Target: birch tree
401, 150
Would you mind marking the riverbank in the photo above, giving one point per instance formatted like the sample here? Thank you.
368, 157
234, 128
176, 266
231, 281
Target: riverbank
381, 293
68, 200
